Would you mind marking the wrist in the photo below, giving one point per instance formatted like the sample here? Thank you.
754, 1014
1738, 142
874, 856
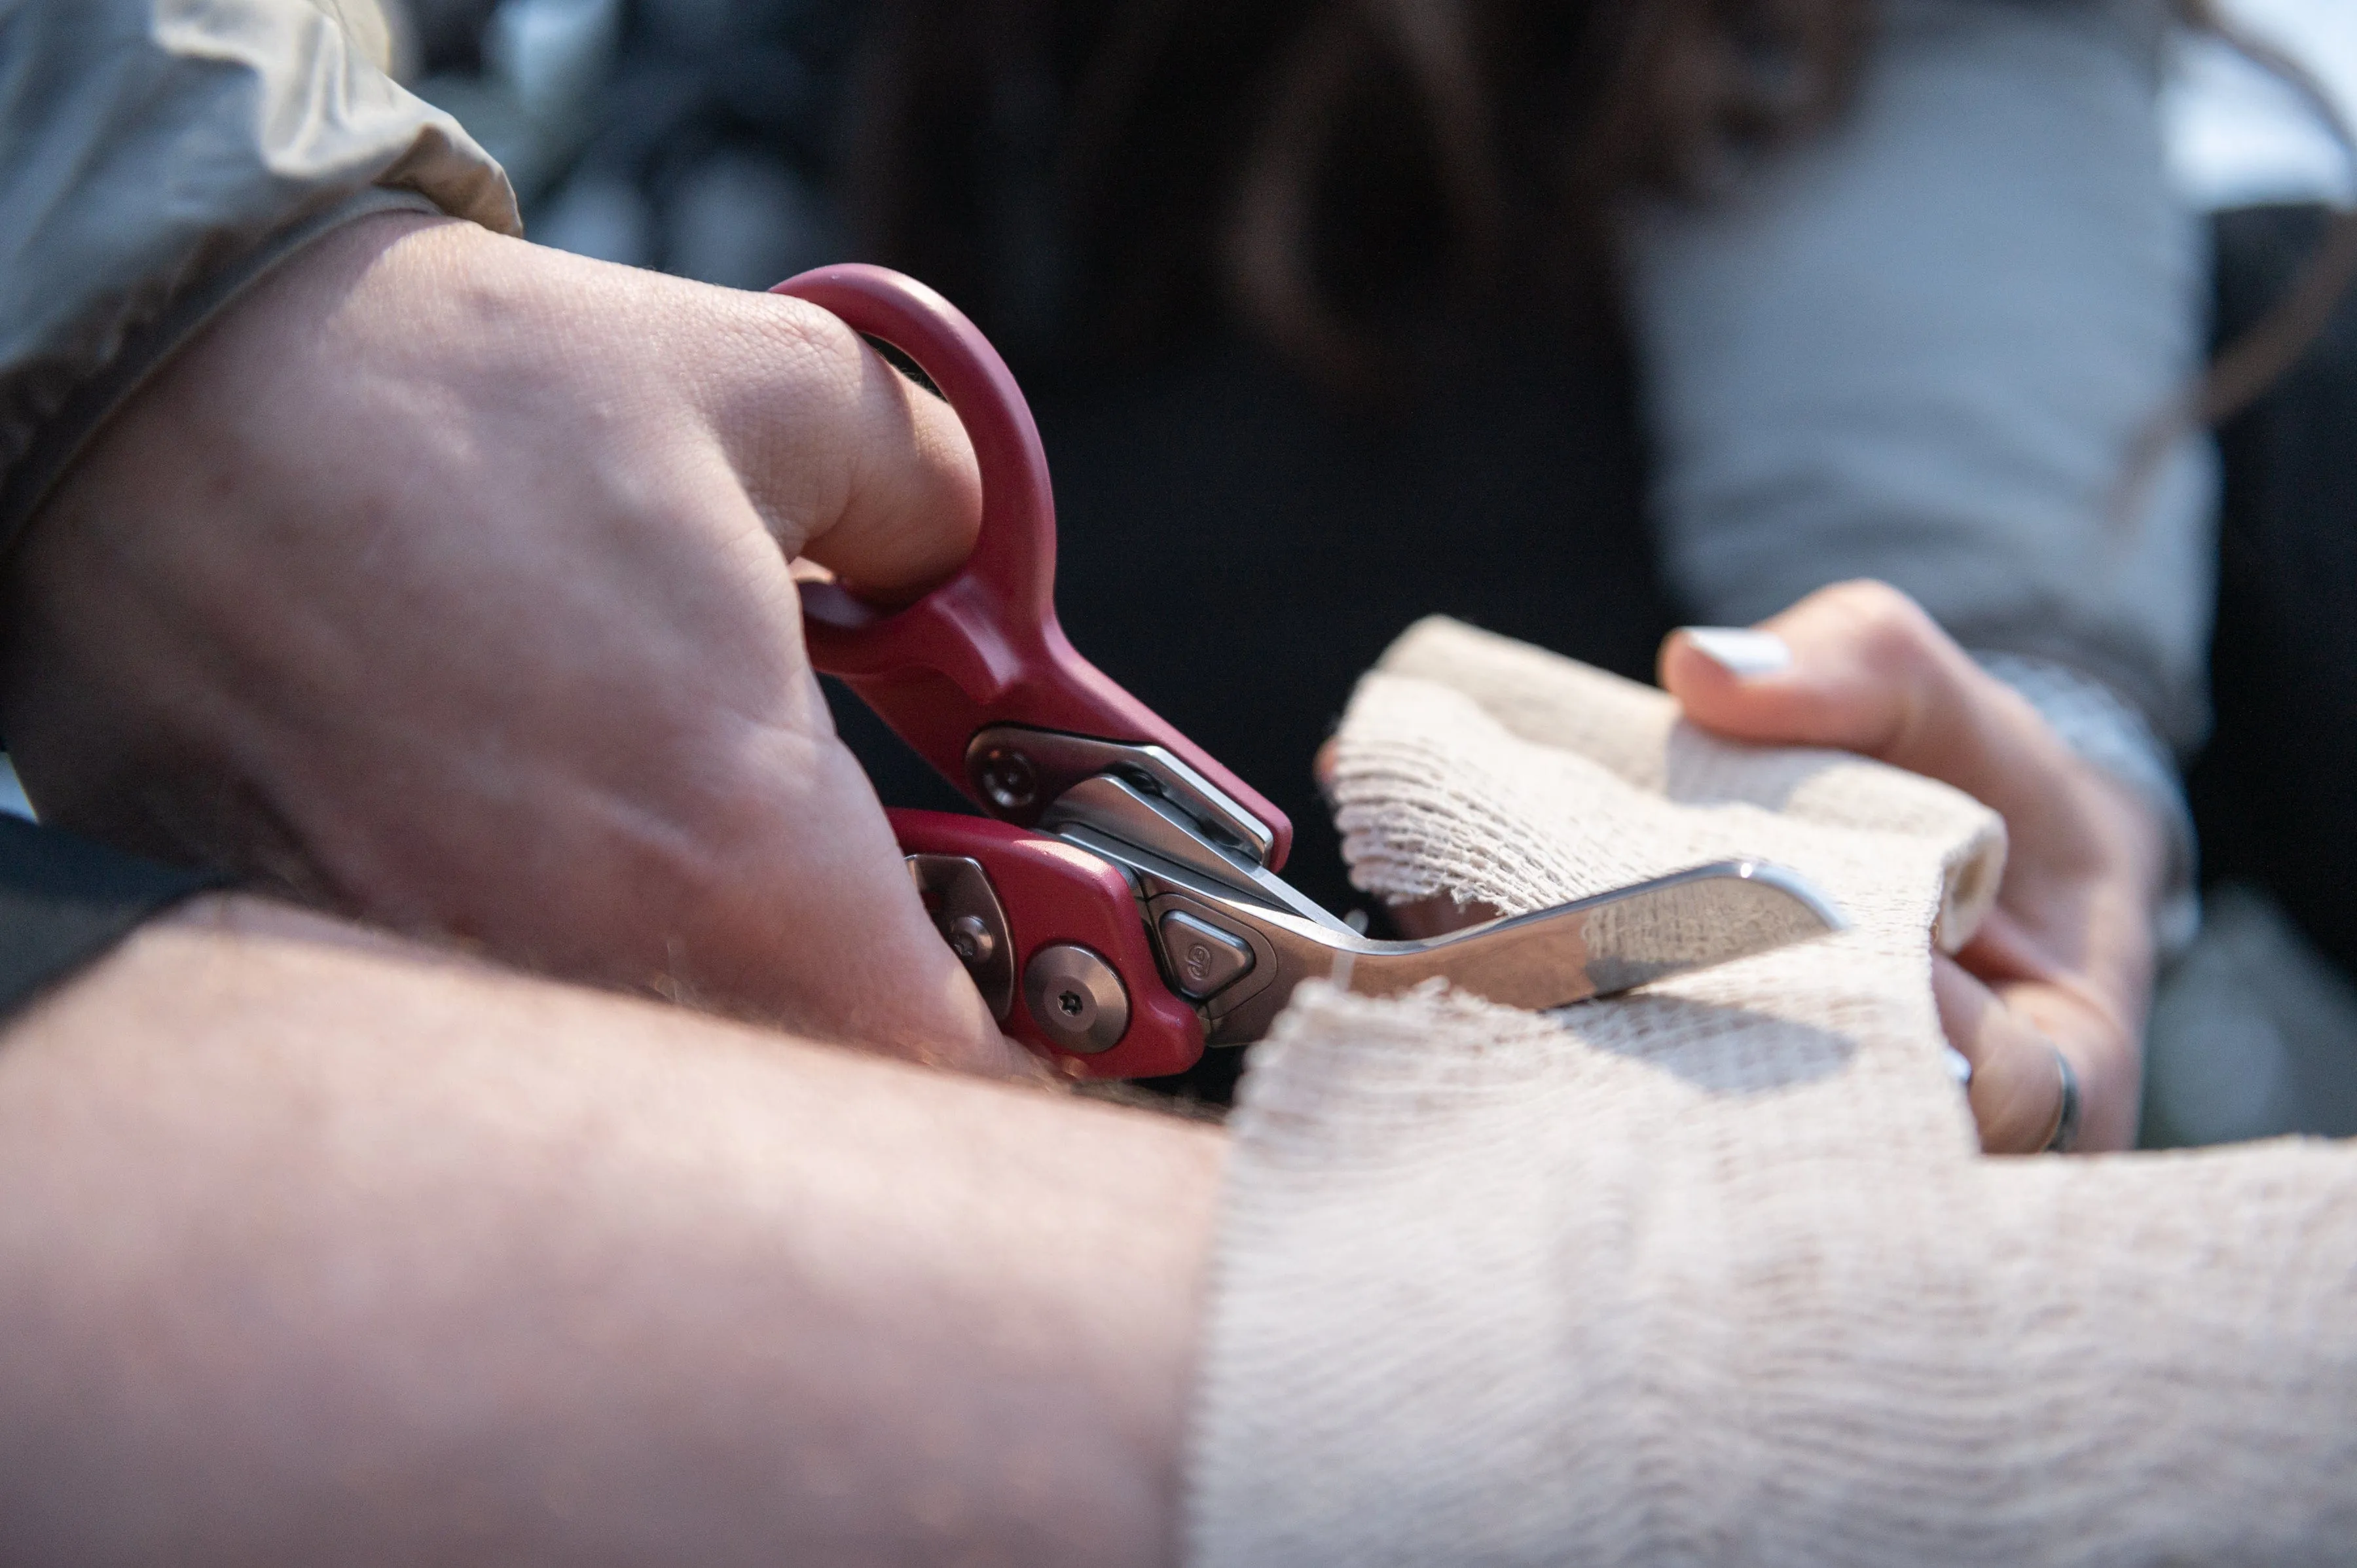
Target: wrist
78, 423
2135, 775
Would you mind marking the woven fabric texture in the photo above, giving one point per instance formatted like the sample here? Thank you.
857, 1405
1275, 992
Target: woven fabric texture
1715, 1273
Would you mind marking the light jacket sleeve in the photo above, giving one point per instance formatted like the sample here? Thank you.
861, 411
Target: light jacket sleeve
162, 155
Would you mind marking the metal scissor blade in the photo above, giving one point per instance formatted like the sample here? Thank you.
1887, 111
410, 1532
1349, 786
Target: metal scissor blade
1611, 942
1238, 950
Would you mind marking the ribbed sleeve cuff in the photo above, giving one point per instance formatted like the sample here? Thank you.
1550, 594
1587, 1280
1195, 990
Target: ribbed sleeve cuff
2107, 731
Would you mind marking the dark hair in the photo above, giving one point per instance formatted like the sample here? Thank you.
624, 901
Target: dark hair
1096, 175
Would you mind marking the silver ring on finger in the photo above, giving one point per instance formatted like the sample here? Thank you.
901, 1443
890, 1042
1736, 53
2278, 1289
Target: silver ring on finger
2066, 1111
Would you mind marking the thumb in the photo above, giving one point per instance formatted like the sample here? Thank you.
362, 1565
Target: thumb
1859, 666
852, 464
913, 507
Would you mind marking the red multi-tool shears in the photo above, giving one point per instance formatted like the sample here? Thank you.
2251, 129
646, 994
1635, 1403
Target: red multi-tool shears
1120, 906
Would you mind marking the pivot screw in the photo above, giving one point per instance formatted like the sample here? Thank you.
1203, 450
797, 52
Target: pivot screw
1076, 998
1009, 779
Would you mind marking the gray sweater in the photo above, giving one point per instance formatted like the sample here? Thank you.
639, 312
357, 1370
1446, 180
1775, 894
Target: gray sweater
1922, 349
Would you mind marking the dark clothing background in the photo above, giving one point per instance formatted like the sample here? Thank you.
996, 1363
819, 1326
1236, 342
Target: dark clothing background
65, 901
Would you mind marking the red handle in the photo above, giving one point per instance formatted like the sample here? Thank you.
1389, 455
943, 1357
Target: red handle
1053, 893
984, 648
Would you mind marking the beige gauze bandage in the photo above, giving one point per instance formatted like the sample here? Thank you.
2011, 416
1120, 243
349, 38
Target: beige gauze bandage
1715, 1272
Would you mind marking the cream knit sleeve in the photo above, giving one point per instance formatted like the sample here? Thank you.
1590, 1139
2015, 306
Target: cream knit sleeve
161, 155
1714, 1272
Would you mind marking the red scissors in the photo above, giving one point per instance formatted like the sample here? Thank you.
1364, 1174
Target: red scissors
1119, 906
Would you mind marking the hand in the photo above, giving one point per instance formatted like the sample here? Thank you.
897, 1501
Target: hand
444, 582
2065, 961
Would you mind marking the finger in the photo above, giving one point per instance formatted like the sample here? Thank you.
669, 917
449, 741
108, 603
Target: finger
2016, 1090
852, 464
1860, 667
828, 928
914, 507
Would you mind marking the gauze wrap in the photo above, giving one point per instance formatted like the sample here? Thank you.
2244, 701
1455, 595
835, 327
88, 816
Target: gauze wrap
1715, 1273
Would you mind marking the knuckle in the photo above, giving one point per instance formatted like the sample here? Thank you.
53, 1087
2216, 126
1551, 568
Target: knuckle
1889, 628
788, 387
814, 341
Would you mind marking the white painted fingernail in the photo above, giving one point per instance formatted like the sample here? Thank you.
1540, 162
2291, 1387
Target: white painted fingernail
1740, 652
1959, 1068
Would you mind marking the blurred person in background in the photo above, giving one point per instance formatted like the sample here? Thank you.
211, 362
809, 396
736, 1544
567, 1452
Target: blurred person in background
1577, 320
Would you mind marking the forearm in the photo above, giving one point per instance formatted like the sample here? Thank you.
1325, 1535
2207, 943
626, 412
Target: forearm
319, 1246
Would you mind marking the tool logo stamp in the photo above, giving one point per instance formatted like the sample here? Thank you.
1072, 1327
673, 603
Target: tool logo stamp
1199, 962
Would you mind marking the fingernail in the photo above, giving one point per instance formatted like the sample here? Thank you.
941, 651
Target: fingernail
1740, 652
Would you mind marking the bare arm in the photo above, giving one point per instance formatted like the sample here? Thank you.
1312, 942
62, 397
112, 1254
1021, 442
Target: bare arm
316, 1246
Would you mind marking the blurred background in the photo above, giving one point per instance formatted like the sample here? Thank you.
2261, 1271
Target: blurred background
707, 138
738, 142
699, 137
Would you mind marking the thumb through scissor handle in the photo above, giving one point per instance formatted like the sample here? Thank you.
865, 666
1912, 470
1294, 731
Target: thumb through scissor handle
984, 648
